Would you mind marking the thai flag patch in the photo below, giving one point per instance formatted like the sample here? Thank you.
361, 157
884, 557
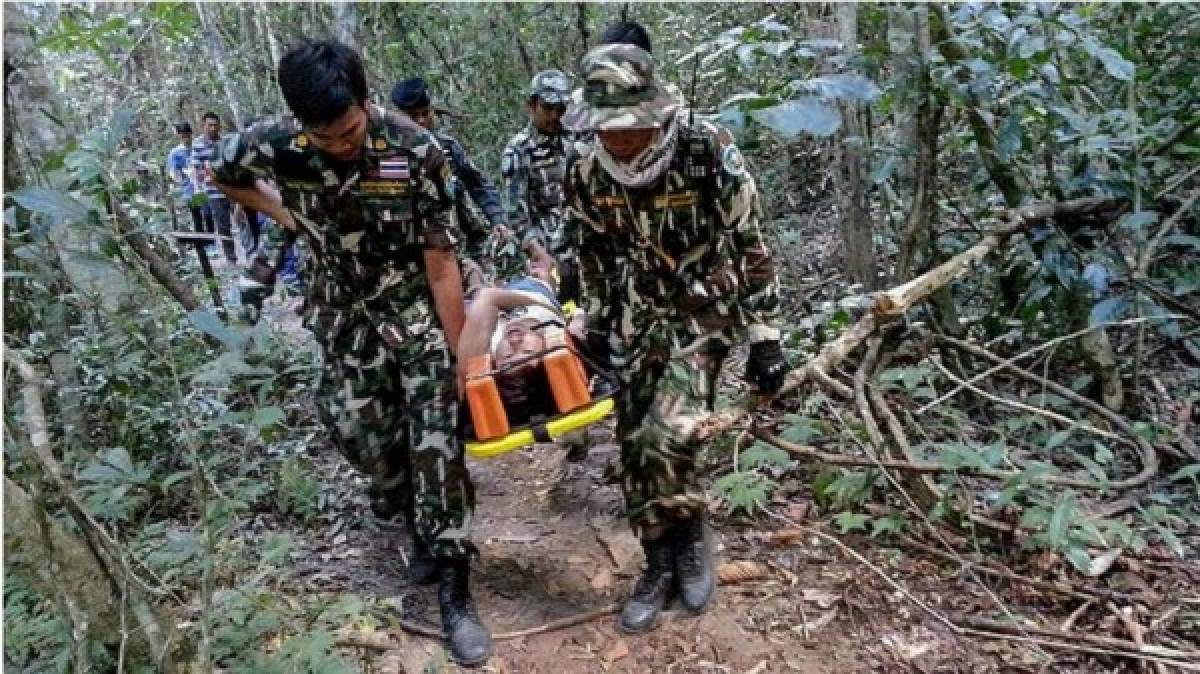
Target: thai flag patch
393, 169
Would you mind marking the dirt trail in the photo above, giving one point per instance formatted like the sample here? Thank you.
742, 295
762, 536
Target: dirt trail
554, 546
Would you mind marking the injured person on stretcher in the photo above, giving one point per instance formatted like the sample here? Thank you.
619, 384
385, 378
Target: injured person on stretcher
520, 366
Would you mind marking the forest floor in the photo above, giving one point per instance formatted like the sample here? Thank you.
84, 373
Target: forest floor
554, 544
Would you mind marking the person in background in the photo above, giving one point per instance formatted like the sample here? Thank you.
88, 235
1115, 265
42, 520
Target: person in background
487, 240
535, 162
217, 212
180, 175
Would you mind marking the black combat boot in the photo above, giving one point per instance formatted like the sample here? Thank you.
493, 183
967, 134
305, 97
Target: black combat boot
652, 590
692, 554
468, 639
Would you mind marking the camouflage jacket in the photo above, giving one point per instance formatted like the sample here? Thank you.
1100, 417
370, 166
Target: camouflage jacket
663, 266
534, 164
366, 222
477, 201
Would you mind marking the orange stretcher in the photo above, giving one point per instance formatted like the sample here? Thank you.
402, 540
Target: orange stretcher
568, 382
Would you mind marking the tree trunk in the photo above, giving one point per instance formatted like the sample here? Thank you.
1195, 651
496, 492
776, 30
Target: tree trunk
267, 29
29, 102
516, 33
857, 236
581, 22
345, 22
217, 53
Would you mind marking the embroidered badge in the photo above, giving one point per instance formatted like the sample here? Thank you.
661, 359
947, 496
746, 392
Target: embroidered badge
393, 169
380, 144
301, 140
732, 161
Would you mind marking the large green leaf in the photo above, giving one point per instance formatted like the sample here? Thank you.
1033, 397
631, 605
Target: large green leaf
842, 86
54, 203
807, 114
1116, 65
210, 324
1107, 310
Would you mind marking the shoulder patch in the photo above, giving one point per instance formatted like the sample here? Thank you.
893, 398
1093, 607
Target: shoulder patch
732, 160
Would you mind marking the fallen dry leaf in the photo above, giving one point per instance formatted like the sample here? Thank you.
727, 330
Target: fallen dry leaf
1102, 563
822, 598
783, 536
619, 649
741, 571
603, 580
816, 624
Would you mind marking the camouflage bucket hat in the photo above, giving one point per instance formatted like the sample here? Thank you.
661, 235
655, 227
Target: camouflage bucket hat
620, 91
552, 86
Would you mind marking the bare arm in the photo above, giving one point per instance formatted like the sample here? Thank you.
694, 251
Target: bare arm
445, 283
481, 321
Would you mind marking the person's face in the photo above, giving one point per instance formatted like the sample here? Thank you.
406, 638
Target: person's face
343, 137
426, 116
546, 117
540, 268
521, 339
212, 128
185, 137
625, 144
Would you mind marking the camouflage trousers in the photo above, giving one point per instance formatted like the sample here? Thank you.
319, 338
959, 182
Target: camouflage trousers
388, 398
657, 410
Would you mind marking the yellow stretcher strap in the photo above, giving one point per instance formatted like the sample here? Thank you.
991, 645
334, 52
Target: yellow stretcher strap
555, 428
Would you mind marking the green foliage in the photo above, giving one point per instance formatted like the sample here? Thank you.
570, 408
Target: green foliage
842, 489
763, 455
297, 491
35, 639
792, 107
747, 492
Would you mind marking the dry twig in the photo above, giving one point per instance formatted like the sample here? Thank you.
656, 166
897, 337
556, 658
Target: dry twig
893, 303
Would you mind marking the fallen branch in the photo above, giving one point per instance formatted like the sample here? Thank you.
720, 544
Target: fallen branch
1148, 455
893, 303
1147, 256
731, 573
1025, 354
966, 626
1189, 660
155, 633
1091, 594
1024, 407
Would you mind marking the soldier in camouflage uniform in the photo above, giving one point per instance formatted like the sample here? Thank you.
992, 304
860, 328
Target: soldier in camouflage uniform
367, 190
488, 243
673, 268
534, 163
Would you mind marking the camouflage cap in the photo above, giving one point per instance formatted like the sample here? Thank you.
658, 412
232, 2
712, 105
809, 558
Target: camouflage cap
552, 86
620, 91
